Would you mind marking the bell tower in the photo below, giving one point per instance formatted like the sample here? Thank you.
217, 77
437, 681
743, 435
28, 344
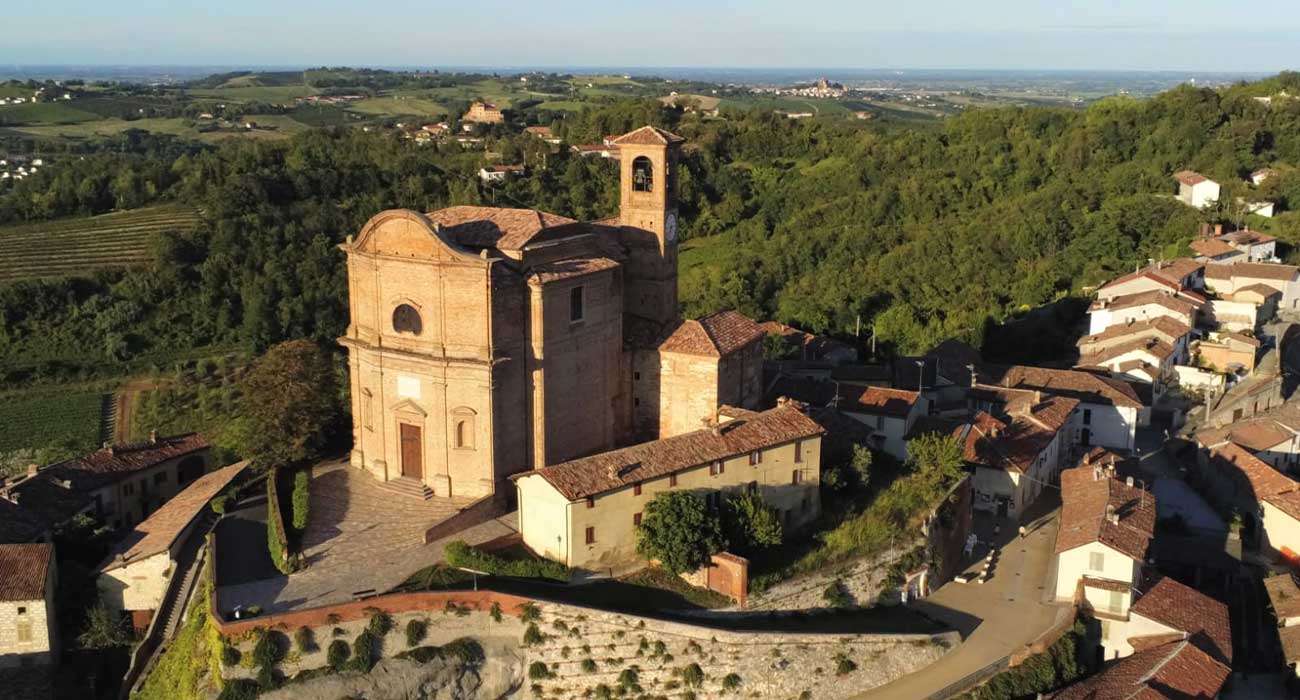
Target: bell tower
648, 215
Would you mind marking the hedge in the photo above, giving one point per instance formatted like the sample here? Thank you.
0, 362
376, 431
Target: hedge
1062, 664
461, 555
301, 492
277, 542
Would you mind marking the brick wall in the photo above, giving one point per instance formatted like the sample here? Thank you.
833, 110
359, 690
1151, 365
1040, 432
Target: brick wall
393, 604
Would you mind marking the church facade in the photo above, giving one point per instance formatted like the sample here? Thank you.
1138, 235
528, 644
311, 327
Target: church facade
488, 341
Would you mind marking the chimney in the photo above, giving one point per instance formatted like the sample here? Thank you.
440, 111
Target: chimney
1129, 482
1096, 473
1111, 516
32, 469
153, 437
1205, 229
973, 378
1218, 229
1038, 396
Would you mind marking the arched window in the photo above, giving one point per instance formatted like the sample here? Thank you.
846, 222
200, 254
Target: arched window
463, 427
407, 320
642, 175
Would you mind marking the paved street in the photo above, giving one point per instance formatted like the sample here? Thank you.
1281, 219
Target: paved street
360, 537
995, 618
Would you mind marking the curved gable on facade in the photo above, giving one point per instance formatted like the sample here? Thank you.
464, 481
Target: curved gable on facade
408, 234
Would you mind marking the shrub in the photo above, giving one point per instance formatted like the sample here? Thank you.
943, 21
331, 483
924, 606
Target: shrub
588, 666
659, 648
538, 671
532, 635
219, 505
305, 640
422, 654
692, 675
461, 555
751, 523
270, 649
495, 611
337, 654
1055, 668
301, 491
730, 682
844, 665
837, 596
363, 651
229, 655
466, 650
679, 530
628, 678
604, 692
381, 623
239, 689
529, 612
277, 542
416, 630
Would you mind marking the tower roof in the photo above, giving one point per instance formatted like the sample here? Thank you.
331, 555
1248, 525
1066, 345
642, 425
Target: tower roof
648, 136
496, 227
714, 335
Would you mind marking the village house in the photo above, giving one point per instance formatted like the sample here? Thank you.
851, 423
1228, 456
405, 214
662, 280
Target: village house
1245, 310
481, 112
890, 414
499, 173
1110, 410
584, 513
1267, 500
119, 485
810, 347
141, 567
1106, 527
1230, 353
1177, 276
28, 625
1161, 328
1148, 360
1273, 439
1174, 670
1284, 599
1214, 250
1196, 190
542, 132
1143, 306
1014, 453
1164, 610
1225, 279
1256, 246
595, 150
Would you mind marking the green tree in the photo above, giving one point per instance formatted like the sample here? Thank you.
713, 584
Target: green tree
861, 465
936, 458
680, 530
104, 629
751, 523
289, 403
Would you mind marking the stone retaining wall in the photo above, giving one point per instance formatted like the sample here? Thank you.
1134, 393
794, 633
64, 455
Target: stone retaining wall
863, 579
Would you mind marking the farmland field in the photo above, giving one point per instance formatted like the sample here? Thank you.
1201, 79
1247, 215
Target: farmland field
44, 113
260, 93
77, 246
36, 420
284, 126
398, 106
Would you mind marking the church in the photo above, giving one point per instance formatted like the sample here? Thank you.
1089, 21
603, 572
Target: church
486, 342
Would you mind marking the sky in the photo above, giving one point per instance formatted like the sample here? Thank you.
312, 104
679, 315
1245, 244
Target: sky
1190, 35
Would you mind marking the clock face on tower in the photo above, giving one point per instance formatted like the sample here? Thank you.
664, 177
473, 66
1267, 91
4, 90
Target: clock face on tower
670, 227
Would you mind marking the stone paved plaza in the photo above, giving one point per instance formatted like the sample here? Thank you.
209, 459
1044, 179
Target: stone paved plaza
360, 537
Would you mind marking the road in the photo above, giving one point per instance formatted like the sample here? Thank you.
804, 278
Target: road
996, 618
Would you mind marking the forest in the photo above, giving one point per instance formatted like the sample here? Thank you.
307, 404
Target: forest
923, 230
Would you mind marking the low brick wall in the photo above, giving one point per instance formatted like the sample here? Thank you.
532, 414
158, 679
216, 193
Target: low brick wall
725, 573
393, 603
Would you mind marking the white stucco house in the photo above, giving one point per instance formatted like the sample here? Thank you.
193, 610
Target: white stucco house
889, 414
1101, 546
1195, 189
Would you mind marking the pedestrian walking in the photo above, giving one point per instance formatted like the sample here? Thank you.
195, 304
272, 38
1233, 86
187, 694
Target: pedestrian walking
1022, 532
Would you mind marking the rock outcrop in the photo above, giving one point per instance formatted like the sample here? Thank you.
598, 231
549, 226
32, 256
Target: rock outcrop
405, 679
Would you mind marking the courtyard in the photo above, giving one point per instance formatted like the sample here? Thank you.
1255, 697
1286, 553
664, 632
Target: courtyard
361, 539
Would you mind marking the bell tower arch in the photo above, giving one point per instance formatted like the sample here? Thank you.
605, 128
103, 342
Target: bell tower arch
648, 214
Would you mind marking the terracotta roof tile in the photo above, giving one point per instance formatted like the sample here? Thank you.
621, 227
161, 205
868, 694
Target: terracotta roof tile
23, 570
1084, 386
881, 401
1253, 270
1259, 288
1246, 237
591, 476
1288, 502
1175, 270
156, 533
568, 269
1190, 177
1174, 671
1284, 594
1262, 479
1204, 619
715, 335
648, 136
1166, 328
1177, 304
1145, 273
495, 227
1212, 247
1085, 497
815, 347
17, 524
1156, 348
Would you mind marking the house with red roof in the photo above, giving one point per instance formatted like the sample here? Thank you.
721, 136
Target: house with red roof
1106, 527
1177, 670
890, 415
1195, 189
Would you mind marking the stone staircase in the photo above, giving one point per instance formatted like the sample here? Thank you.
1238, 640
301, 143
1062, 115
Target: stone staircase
407, 486
174, 605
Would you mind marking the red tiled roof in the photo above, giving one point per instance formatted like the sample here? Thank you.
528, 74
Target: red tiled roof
1212, 247
1284, 594
1254, 434
715, 335
1246, 237
1085, 499
568, 269
1262, 479
1014, 445
1190, 177
108, 464
1175, 270
156, 533
590, 476
1169, 301
1259, 288
24, 569
881, 401
648, 136
1173, 671
1252, 270
1084, 386
1147, 274
1204, 619
1167, 328
495, 227
1154, 347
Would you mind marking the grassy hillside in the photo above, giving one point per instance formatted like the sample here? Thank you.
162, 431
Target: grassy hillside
79, 246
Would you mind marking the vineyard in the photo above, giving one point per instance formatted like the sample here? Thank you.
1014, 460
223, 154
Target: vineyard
69, 247
40, 420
